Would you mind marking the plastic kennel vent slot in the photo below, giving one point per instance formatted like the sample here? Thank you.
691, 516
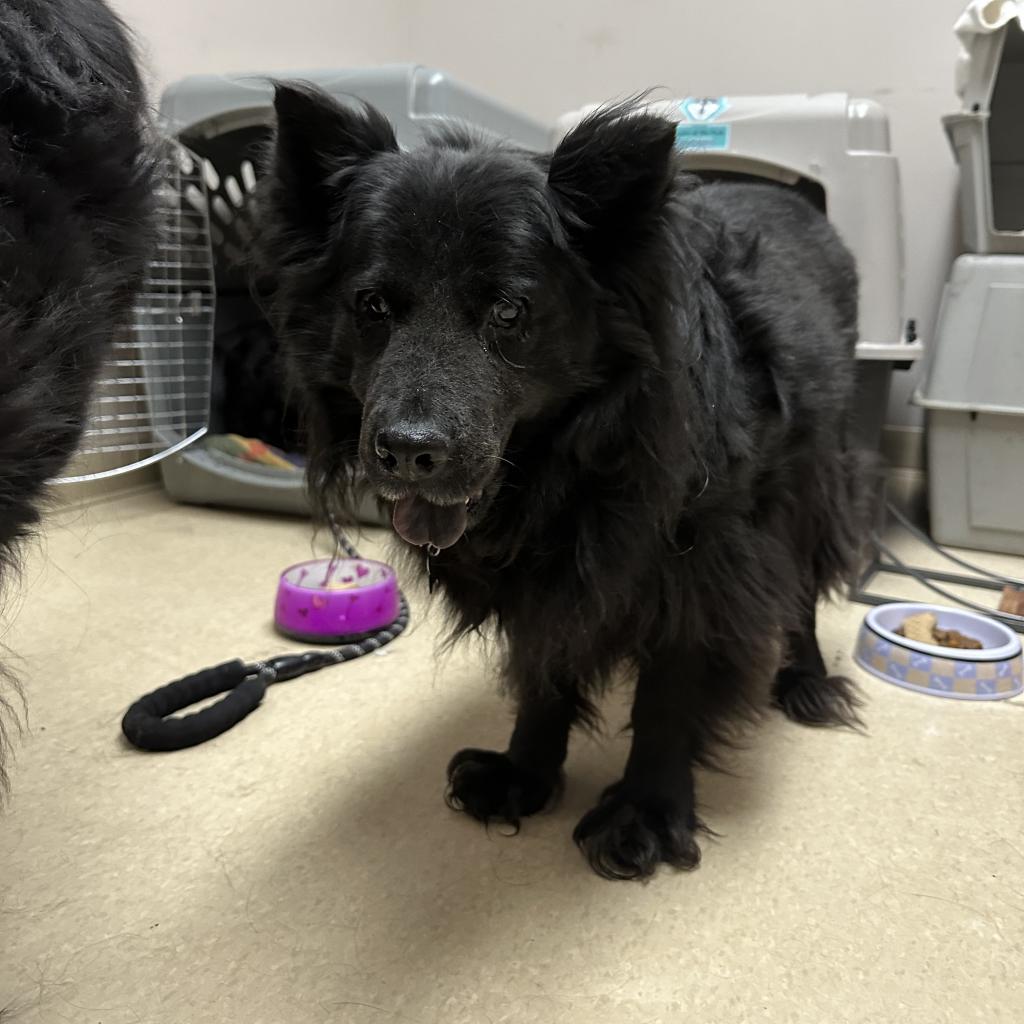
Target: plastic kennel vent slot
226, 122
153, 396
835, 150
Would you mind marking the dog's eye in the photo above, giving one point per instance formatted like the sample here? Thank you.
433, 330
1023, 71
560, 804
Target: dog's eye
373, 306
506, 313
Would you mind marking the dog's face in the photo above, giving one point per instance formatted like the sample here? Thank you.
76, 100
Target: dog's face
450, 289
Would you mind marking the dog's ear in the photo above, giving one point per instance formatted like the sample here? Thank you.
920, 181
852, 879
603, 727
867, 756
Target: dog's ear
613, 169
318, 148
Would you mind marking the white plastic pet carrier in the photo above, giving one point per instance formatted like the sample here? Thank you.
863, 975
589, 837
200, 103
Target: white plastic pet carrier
835, 150
974, 388
198, 366
226, 121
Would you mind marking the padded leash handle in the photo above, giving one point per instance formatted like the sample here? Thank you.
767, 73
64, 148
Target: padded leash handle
148, 724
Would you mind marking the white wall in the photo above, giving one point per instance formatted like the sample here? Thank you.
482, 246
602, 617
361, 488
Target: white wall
182, 37
547, 56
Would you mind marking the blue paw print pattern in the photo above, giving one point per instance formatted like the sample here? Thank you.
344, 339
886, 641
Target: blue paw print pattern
944, 677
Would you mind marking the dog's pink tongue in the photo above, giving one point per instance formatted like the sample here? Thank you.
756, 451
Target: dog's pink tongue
418, 522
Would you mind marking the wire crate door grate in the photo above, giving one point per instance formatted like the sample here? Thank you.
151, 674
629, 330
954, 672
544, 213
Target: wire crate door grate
153, 397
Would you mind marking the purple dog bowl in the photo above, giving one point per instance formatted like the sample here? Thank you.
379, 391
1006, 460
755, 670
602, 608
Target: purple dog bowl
992, 673
330, 600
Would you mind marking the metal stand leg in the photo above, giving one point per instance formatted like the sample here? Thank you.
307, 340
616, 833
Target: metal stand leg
885, 561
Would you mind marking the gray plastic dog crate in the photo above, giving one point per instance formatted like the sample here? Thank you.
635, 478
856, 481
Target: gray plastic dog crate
225, 121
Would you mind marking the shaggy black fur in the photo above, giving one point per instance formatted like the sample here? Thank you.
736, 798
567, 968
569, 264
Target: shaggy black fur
613, 404
75, 213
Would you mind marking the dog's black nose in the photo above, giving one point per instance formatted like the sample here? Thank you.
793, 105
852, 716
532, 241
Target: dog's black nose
411, 451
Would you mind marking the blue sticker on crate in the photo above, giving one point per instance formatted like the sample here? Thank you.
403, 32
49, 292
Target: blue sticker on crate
692, 138
702, 109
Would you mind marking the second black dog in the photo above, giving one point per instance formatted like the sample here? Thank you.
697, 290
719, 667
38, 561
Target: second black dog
76, 231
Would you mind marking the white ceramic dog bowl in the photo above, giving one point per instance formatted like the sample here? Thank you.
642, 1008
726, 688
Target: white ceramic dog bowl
992, 673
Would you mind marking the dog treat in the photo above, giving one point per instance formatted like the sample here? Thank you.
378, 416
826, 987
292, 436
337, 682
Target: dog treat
924, 628
1012, 601
920, 628
954, 638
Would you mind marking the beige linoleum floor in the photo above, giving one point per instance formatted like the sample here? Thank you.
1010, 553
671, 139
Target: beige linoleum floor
303, 867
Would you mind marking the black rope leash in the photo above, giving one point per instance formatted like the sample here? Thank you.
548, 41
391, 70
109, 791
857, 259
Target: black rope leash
148, 724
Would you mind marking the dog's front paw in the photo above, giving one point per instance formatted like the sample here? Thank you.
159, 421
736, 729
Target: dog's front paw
490, 787
627, 838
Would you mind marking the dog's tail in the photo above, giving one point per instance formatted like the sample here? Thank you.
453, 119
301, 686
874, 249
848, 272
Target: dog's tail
76, 230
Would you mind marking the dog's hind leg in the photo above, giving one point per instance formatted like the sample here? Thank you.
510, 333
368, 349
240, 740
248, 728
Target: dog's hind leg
493, 786
804, 690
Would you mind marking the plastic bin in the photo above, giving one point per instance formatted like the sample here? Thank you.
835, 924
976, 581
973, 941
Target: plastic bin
974, 397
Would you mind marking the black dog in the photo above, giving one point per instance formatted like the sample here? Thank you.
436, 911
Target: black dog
609, 406
75, 230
